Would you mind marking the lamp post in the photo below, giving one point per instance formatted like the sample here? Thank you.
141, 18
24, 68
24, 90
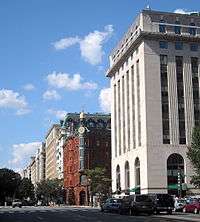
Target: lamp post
179, 183
90, 201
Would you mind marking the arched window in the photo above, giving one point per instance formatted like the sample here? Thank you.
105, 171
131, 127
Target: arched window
175, 173
137, 175
127, 175
118, 179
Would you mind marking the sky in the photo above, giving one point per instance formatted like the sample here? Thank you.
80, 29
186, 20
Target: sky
53, 60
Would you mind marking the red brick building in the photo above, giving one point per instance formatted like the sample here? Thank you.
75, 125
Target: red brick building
95, 139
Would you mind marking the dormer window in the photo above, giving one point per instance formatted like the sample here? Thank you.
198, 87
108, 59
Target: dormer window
162, 27
192, 30
177, 28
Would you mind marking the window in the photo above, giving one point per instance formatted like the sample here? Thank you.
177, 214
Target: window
177, 28
195, 84
180, 95
194, 47
163, 45
162, 28
138, 102
164, 99
178, 45
192, 30
137, 175
127, 175
175, 165
118, 180
98, 143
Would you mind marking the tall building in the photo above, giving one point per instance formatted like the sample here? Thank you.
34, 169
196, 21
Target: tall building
155, 72
33, 171
59, 153
87, 145
40, 163
50, 147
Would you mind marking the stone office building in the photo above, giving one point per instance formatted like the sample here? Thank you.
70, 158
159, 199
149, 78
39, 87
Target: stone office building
87, 145
155, 80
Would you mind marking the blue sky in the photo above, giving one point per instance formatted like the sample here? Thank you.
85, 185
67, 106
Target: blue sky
53, 59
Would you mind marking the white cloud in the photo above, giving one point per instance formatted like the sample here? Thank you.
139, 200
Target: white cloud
59, 114
66, 42
91, 46
21, 154
105, 100
13, 100
51, 95
64, 80
22, 112
183, 11
29, 87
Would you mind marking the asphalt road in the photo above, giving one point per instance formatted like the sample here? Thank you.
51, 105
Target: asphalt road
75, 214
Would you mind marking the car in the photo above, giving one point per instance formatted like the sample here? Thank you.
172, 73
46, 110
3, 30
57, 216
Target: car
135, 204
16, 203
162, 202
111, 205
192, 206
179, 204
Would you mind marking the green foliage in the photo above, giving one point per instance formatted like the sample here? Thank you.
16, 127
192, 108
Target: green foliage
193, 155
9, 183
26, 189
49, 190
99, 181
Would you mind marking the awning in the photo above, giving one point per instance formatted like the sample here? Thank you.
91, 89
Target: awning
134, 189
176, 187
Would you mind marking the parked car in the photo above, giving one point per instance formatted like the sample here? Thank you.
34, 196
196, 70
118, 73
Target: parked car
162, 203
135, 204
192, 206
16, 203
179, 204
111, 205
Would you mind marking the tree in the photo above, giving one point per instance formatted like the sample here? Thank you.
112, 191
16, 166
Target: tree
25, 189
99, 182
49, 190
9, 183
193, 155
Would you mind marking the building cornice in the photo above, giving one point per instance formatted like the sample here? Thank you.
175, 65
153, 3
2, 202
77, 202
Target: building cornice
150, 36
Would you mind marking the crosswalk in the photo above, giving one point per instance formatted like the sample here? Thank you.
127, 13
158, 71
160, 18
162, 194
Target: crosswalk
25, 210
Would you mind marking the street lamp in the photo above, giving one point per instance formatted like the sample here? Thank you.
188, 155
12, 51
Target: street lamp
90, 201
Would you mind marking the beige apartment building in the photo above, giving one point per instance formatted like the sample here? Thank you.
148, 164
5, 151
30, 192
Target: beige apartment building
51, 139
33, 171
155, 81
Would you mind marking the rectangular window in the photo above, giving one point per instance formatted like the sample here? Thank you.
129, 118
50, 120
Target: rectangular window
138, 102
178, 45
180, 95
133, 104
119, 118
163, 44
115, 119
162, 28
194, 47
195, 86
192, 31
123, 116
128, 109
164, 99
177, 30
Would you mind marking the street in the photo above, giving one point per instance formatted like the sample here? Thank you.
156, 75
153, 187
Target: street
74, 214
